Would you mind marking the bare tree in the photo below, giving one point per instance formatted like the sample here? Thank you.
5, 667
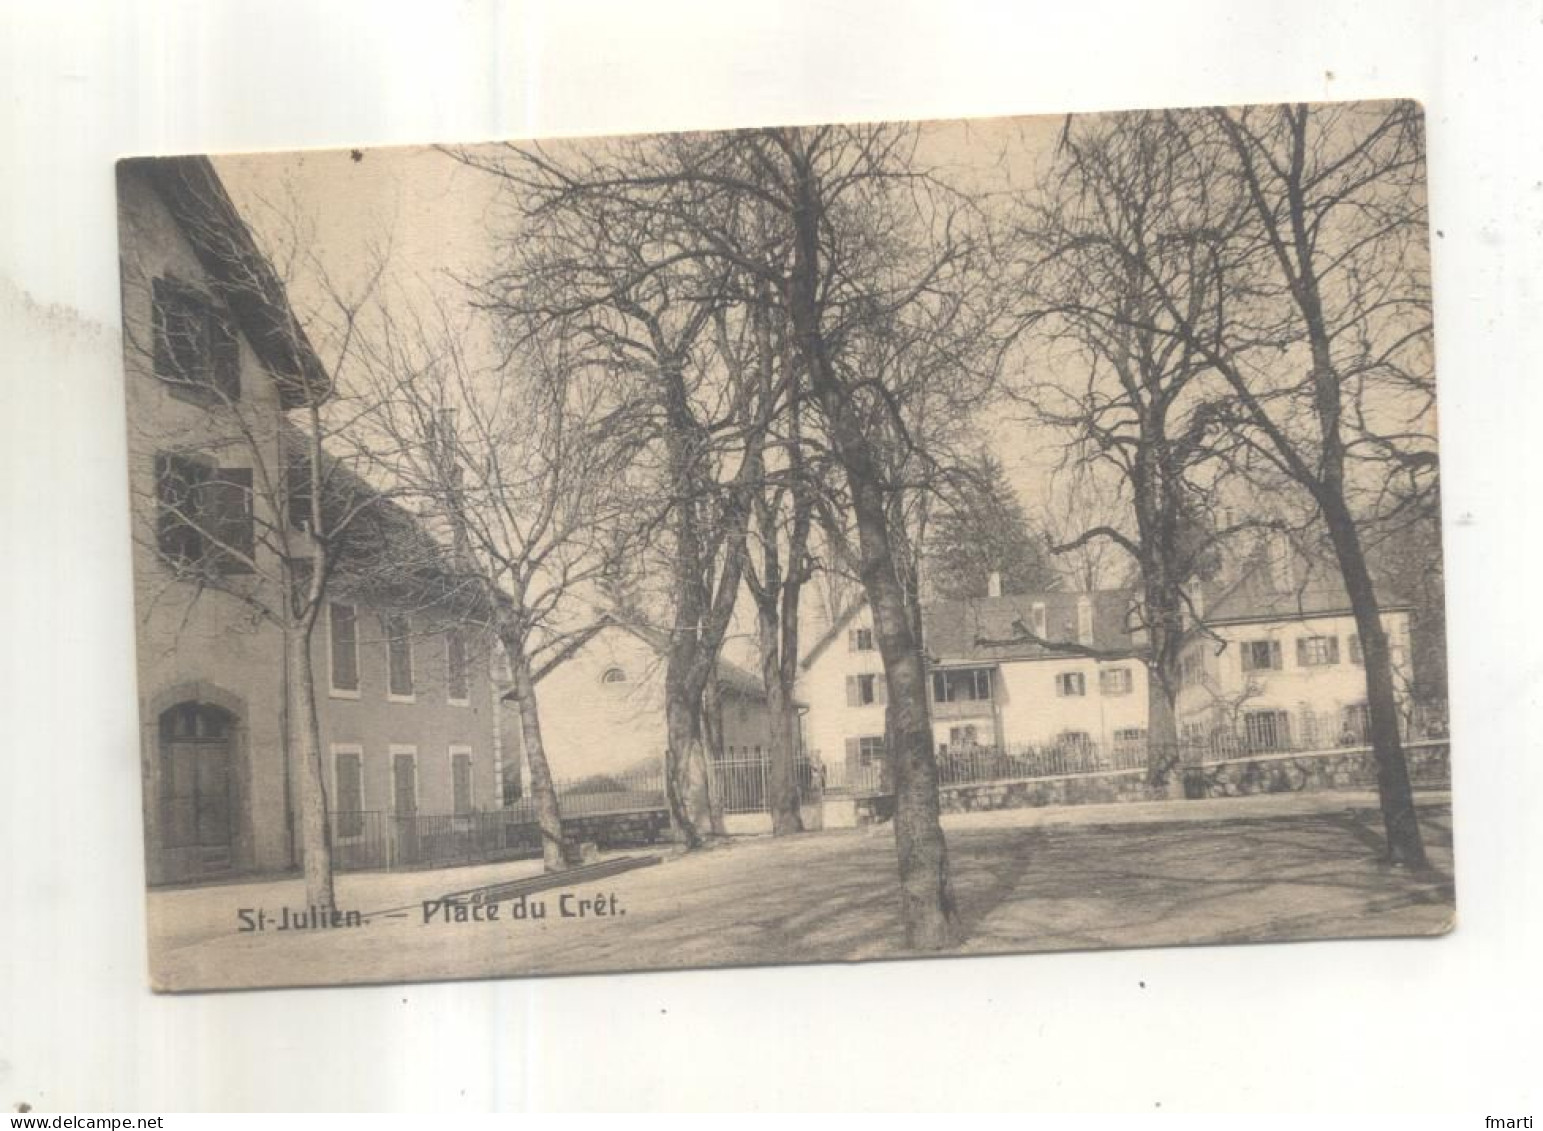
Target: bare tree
599, 255
1325, 338
1111, 241
510, 460
252, 502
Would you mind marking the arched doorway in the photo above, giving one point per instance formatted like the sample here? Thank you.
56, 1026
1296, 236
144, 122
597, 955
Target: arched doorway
195, 780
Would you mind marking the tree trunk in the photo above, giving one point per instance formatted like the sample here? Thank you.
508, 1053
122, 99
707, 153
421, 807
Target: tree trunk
782, 799
315, 828
557, 852
1405, 845
927, 906
686, 787
1165, 633
1163, 756
712, 732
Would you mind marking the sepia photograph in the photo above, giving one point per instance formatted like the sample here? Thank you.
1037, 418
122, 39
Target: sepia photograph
786, 545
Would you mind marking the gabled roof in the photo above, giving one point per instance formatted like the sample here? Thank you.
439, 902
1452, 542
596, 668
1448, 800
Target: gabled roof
1261, 592
239, 273
734, 679
954, 631
833, 632
959, 631
384, 554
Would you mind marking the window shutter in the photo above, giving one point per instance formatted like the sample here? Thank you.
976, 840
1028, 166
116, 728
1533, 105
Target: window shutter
228, 505
1333, 649
179, 492
880, 690
851, 640
854, 752
1302, 652
1275, 657
345, 654
226, 358
160, 329
851, 691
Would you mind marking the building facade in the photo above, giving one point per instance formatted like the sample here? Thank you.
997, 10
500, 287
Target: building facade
602, 710
993, 684
213, 362
1278, 664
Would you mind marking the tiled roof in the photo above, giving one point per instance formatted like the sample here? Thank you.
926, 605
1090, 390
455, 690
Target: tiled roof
238, 271
958, 631
1261, 592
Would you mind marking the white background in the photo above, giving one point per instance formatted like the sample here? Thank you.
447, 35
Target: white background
1428, 1025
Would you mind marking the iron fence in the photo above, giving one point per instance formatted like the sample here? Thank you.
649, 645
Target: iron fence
372, 839
743, 785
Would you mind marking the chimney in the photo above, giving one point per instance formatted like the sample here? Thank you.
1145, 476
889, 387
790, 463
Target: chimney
1085, 620
994, 583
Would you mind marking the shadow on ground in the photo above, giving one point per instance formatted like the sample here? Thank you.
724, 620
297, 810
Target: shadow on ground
831, 896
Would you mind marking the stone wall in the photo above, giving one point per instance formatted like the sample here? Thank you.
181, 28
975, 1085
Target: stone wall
1030, 793
635, 828
1429, 766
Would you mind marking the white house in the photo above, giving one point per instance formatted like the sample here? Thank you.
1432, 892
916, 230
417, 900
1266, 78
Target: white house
602, 708
1279, 662
989, 685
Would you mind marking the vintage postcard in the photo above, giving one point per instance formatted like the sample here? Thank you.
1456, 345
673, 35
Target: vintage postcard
787, 545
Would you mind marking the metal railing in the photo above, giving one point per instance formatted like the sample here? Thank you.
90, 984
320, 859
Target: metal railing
744, 784
371, 839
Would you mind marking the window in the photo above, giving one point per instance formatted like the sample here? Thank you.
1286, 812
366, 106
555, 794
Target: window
348, 805
1192, 669
860, 640
399, 656
204, 514
961, 685
613, 675
866, 690
196, 350
963, 736
1130, 735
1084, 620
870, 750
1261, 655
1356, 726
343, 631
1267, 730
1069, 684
513, 789
1317, 651
1074, 740
460, 780
1355, 649
1114, 681
457, 675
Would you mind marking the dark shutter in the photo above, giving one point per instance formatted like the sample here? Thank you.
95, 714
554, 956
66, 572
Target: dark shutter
345, 648
399, 657
1333, 649
880, 690
455, 649
1275, 658
460, 769
225, 358
854, 753
178, 488
852, 699
227, 506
